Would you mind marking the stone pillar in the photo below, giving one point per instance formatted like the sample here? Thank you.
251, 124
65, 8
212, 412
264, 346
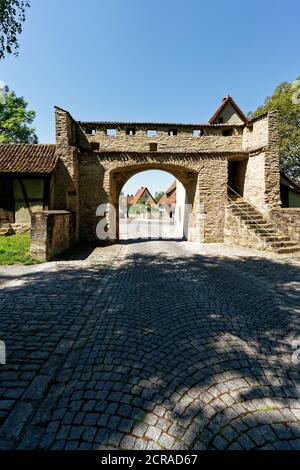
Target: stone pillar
272, 163
51, 234
210, 200
66, 175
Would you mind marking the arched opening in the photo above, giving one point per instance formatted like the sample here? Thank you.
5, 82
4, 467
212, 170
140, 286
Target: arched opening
152, 205
153, 202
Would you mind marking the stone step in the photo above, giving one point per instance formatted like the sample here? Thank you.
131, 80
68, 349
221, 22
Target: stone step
6, 231
285, 244
294, 249
276, 238
253, 219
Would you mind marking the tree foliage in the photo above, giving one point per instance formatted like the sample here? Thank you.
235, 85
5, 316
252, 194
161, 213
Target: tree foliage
158, 195
12, 16
286, 99
15, 120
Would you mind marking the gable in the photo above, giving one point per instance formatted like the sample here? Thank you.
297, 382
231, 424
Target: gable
229, 115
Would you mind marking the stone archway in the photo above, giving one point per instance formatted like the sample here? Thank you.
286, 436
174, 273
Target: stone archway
119, 177
203, 176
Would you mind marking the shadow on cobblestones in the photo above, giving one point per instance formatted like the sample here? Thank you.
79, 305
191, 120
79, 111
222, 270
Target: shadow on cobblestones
151, 346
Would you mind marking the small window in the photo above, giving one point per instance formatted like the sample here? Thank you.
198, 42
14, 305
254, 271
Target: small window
153, 147
227, 132
196, 133
172, 132
130, 131
151, 133
95, 146
90, 131
111, 132
220, 120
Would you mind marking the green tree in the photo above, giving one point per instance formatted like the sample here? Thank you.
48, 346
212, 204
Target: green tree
15, 119
286, 99
12, 16
158, 195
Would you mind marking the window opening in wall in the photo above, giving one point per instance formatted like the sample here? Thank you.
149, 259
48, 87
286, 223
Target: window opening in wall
196, 133
227, 132
151, 133
130, 131
90, 131
111, 132
173, 132
153, 147
95, 146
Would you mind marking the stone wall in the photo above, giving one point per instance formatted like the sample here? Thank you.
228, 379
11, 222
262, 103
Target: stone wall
256, 135
93, 168
262, 176
51, 234
183, 142
254, 180
211, 199
287, 220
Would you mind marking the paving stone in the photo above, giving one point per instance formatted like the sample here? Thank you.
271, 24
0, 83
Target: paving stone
101, 355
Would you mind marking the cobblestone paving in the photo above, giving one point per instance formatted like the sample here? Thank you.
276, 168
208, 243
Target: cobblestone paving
151, 345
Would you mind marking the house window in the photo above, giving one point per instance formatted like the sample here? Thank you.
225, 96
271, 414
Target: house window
153, 147
227, 132
130, 131
172, 132
111, 132
151, 133
196, 133
95, 146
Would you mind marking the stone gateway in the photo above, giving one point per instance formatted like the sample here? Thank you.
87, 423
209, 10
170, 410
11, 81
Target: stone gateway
222, 164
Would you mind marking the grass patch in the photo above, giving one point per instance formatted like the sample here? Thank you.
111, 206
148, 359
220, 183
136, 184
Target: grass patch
15, 249
267, 409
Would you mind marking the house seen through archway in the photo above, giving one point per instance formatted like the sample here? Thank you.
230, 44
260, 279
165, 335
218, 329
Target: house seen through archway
152, 205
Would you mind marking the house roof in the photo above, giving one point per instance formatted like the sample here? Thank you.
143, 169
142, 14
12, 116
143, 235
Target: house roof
228, 99
169, 197
27, 158
286, 181
138, 195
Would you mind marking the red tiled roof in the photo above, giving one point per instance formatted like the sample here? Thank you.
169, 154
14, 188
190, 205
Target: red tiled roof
134, 200
27, 158
228, 99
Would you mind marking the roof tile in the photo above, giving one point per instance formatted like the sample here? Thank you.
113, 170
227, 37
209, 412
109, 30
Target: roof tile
27, 158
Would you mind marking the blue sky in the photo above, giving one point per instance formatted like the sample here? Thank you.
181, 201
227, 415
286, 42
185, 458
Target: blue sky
151, 60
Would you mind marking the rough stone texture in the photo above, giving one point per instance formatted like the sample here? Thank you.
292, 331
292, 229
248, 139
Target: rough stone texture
87, 176
254, 180
262, 176
288, 220
108, 353
182, 142
238, 234
50, 234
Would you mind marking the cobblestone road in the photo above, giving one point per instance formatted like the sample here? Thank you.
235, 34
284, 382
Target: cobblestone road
151, 345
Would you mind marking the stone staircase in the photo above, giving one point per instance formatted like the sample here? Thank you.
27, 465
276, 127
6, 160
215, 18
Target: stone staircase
267, 233
6, 230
